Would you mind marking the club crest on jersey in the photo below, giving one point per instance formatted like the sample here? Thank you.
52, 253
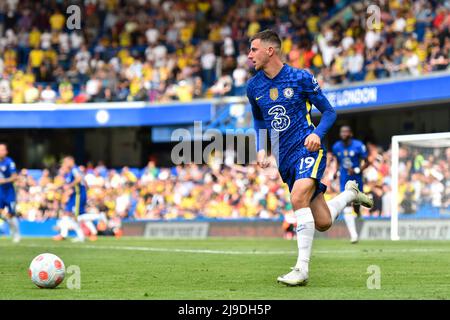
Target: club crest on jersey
274, 94
288, 92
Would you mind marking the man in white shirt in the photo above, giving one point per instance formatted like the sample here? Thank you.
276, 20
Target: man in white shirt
5, 91
411, 62
152, 34
31, 93
48, 95
371, 39
82, 60
239, 78
354, 65
208, 63
93, 87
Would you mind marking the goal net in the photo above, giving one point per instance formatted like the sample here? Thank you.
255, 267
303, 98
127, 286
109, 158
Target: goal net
420, 170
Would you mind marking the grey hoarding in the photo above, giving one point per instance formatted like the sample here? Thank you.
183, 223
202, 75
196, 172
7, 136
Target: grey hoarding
408, 229
176, 230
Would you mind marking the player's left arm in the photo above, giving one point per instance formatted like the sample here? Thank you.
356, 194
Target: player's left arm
13, 177
314, 94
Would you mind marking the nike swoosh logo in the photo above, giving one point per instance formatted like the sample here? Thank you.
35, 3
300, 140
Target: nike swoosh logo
300, 172
258, 98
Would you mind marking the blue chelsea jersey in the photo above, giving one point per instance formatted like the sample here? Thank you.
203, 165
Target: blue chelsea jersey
349, 156
283, 106
70, 177
7, 168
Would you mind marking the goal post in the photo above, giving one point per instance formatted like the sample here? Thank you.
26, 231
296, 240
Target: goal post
416, 149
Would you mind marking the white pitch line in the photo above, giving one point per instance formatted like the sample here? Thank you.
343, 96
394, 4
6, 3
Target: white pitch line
232, 252
150, 249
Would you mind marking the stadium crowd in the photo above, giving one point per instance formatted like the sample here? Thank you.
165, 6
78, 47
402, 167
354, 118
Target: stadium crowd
228, 190
152, 50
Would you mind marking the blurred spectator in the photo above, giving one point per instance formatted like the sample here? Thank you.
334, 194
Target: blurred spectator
48, 95
223, 86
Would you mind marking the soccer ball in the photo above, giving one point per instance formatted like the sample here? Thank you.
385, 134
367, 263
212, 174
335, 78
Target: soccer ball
47, 270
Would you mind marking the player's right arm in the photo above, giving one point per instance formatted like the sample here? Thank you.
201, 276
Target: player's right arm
258, 121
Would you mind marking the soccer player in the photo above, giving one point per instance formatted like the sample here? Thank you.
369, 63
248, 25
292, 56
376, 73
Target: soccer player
281, 98
352, 158
8, 175
75, 206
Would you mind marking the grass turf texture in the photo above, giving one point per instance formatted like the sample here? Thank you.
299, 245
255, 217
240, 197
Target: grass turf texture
137, 268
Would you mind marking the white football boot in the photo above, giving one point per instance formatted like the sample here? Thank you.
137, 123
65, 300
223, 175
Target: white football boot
361, 198
296, 277
354, 240
16, 239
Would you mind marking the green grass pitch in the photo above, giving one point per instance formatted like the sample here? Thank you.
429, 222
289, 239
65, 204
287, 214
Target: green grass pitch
218, 268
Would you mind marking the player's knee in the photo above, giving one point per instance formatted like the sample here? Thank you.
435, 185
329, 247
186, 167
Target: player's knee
323, 224
300, 200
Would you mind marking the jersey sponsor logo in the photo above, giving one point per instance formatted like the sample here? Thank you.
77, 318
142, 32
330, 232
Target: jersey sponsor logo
288, 92
280, 120
274, 94
258, 98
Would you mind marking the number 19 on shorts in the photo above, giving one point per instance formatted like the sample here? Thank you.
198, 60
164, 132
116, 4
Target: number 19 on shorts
306, 164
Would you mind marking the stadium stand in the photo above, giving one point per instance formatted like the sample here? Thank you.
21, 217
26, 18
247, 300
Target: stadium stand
162, 51
230, 191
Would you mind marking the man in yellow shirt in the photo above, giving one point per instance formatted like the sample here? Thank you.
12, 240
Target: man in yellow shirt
17, 96
57, 21
184, 91
10, 60
35, 59
34, 39
253, 27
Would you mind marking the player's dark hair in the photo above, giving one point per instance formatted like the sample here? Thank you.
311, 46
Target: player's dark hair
269, 36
